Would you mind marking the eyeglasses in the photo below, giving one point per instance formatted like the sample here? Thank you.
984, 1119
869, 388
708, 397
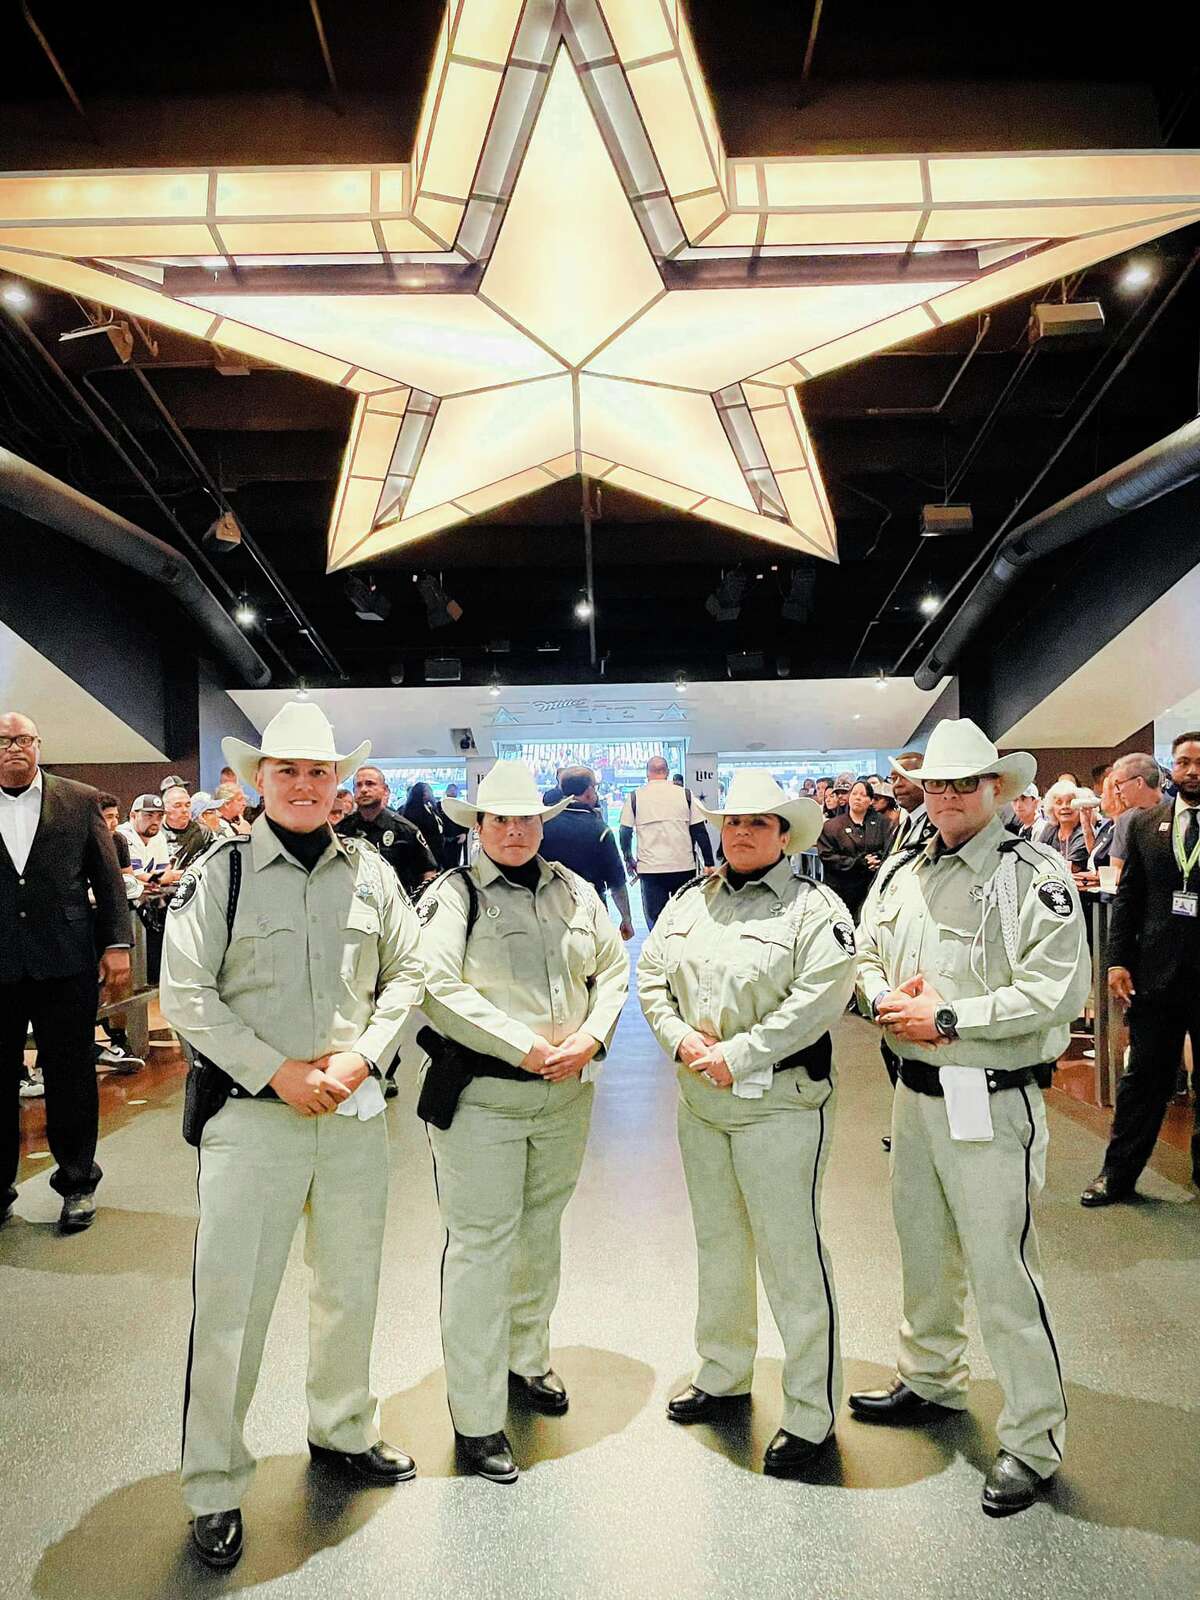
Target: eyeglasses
23, 741
959, 785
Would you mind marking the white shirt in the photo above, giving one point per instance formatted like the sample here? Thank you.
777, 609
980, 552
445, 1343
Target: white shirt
146, 854
659, 811
19, 818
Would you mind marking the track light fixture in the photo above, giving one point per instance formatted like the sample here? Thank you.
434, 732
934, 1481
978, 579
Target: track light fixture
797, 607
929, 604
494, 684
440, 609
244, 613
681, 683
583, 606
16, 297
725, 603
369, 601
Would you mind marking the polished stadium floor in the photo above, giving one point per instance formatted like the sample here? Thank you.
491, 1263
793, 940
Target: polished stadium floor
614, 1500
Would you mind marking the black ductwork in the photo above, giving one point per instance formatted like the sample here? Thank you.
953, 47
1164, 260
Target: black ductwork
36, 494
1165, 466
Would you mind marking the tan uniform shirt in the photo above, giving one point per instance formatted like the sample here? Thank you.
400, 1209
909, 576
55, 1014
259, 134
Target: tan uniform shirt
318, 961
548, 963
928, 917
767, 968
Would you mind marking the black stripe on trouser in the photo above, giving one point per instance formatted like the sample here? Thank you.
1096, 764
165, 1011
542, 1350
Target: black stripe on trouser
441, 1276
821, 1264
187, 1377
1041, 1304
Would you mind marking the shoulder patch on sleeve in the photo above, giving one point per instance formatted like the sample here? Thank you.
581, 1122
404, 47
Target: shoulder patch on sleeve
185, 891
1055, 896
427, 909
843, 932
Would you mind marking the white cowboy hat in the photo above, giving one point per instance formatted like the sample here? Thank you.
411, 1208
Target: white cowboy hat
962, 750
754, 793
508, 790
300, 731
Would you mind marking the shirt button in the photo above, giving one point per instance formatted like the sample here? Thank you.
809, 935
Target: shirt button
21, 881
20, 913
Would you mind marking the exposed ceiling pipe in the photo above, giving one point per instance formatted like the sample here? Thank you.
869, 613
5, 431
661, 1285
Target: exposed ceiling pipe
33, 493
56, 64
326, 57
1165, 466
810, 48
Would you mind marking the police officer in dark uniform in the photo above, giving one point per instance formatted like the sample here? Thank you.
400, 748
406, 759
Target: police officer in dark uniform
398, 842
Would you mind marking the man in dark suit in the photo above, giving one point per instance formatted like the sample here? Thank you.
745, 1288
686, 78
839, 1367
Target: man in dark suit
1154, 969
54, 846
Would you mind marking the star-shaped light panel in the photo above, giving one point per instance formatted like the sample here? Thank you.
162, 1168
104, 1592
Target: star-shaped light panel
571, 276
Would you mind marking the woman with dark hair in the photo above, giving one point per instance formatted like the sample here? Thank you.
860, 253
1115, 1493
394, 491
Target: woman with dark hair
421, 811
852, 846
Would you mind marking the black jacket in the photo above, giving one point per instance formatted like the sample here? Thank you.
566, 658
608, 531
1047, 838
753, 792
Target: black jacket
580, 838
398, 842
46, 920
1158, 949
844, 846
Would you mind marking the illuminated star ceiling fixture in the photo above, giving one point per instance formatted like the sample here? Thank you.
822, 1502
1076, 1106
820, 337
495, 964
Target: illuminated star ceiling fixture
571, 276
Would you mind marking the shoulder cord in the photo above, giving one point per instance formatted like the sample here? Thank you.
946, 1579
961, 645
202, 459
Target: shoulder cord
1000, 895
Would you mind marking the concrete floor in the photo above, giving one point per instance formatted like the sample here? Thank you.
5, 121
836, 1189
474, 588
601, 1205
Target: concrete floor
614, 1501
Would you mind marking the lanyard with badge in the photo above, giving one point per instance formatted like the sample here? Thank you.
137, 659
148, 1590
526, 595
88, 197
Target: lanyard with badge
1185, 902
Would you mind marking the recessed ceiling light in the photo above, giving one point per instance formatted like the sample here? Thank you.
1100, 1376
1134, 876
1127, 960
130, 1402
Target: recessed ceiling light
15, 296
583, 608
930, 605
1137, 275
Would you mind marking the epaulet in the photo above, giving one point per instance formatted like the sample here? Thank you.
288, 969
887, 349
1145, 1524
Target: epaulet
692, 883
1039, 855
215, 849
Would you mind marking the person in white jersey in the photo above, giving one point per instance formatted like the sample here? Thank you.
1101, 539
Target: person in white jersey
670, 828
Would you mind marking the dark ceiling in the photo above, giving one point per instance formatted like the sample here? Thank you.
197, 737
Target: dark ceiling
166, 85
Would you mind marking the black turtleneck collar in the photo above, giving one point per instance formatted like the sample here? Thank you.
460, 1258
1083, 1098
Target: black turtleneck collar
15, 794
735, 880
307, 848
526, 877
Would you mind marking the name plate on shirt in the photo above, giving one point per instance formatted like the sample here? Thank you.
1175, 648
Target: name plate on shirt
1185, 903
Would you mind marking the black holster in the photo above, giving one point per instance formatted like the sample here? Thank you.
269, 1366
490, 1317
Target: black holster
815, 1058
451, 1068
204, 1093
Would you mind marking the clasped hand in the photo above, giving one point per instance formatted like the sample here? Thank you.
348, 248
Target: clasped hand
314, 1088
908, 1011
702, 1053
554, 1062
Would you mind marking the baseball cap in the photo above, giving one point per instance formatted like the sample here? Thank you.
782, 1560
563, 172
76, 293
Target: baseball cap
173, 782
201, 803
843, 785
1030, 792
148, 802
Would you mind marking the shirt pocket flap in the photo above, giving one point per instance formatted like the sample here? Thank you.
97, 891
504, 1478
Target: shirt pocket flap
262, 924
362, 917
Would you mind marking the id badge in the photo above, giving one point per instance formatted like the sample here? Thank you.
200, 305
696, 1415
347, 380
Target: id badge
1185, 903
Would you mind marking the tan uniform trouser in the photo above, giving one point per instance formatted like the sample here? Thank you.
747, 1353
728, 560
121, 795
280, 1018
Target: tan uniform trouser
963, 1212
754, 1171
262, 1167
505, 1169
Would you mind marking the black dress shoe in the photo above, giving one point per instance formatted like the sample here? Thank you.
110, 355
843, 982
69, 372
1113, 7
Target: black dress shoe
788, 1454
489, 1455
896, 1403
381, 1465
1102, 1191
1010, 1486
217, 1539
547, 1393
697, 1405
78, 1212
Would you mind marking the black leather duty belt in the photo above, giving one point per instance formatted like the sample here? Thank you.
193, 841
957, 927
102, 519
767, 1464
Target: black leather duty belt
922, 1078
